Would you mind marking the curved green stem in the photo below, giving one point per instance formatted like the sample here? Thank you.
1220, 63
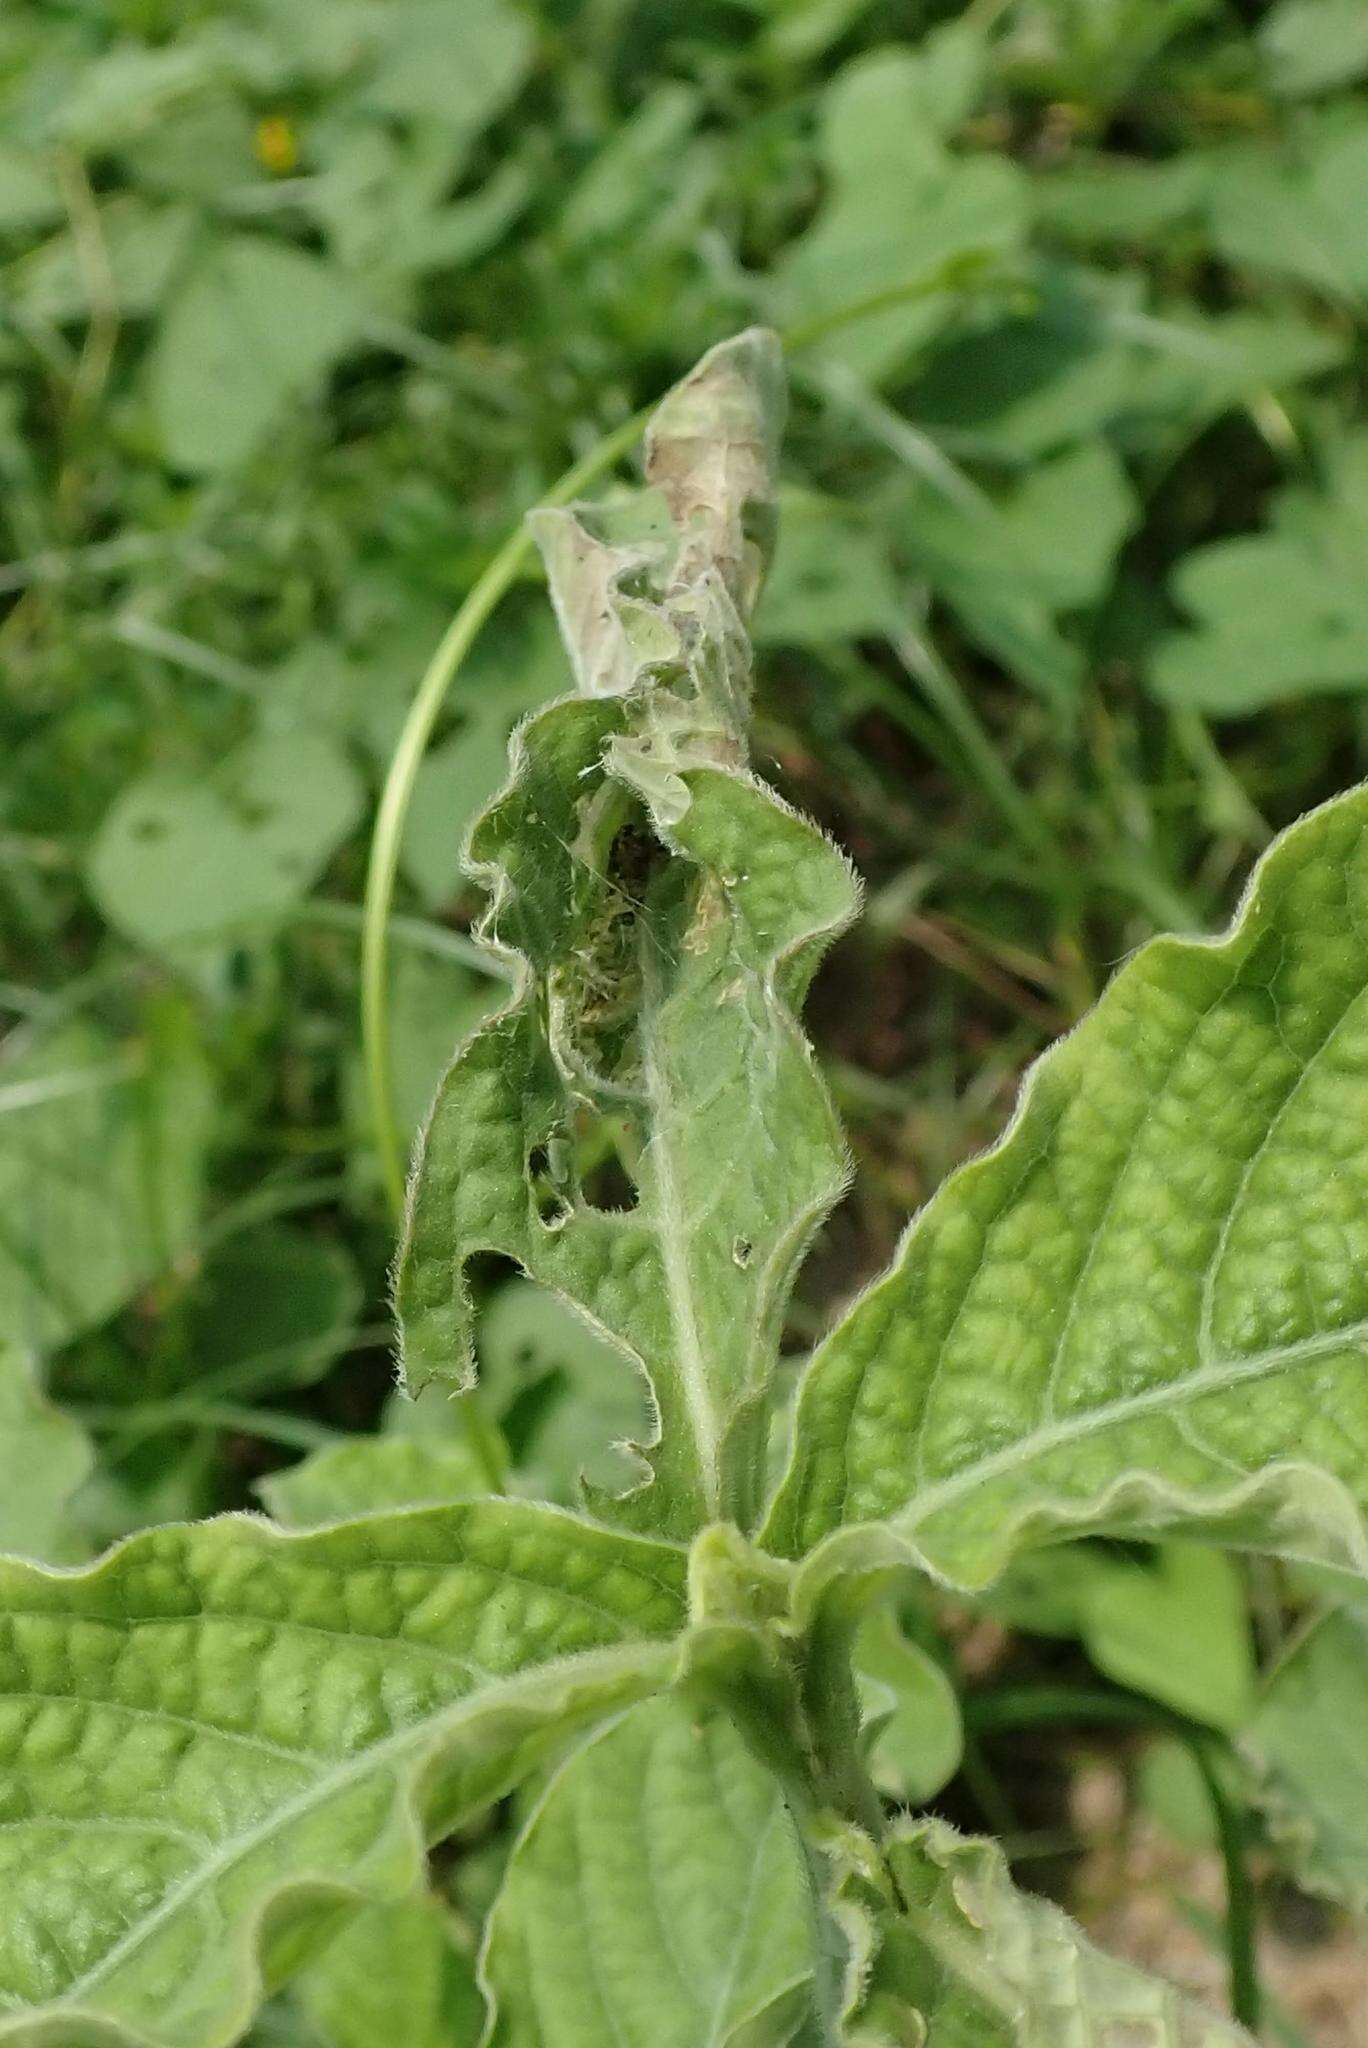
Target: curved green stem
455, 644
483, 599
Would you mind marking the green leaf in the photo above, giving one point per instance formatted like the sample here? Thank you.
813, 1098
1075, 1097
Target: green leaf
657, 1899
987, 1966
143, 246
395, 1978
1145, 1308
900, 206
634, 172
273, 1307
1310, 1745
368, 1474
434, 1004
29, 196
831, 580
101, 1172
1297, 215
44, 1457
470, 764
1131, 1613
460, 68
255, 324
913, 1734
219, 1734
1106, 199
1012, 567
668, 912
543, 1368
131, 87
1279, 613
184, 858
1092, 355
1309, 46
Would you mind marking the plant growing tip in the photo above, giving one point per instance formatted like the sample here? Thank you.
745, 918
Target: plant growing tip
666, 911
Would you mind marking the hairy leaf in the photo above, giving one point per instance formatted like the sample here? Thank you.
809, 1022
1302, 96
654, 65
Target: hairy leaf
218, 1734
658, 1899
986, 1966
666, 912
1147, 1307
913, 1736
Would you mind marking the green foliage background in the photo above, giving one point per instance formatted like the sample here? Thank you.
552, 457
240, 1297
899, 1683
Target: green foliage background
301, 307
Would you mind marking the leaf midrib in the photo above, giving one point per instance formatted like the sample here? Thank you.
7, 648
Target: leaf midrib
619, 1657
1209, 1379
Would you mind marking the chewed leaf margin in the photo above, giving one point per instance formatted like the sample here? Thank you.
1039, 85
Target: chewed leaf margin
662, 912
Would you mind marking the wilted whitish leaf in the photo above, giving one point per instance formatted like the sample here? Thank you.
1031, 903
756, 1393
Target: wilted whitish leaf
667, 912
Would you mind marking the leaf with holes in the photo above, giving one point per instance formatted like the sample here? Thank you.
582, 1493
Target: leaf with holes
655, 1011
1147, 1307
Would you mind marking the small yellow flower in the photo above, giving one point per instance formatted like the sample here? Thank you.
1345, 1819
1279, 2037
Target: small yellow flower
277, 146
